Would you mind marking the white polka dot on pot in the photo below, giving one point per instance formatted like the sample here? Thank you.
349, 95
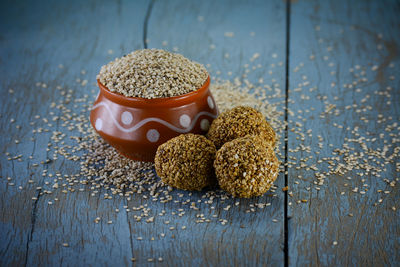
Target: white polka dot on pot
153, 135
210, 102
204, 124
126, 117
185, 120
99, 124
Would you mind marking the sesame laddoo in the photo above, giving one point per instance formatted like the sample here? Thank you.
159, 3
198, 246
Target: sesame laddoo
239, 122
246, 167
186, 162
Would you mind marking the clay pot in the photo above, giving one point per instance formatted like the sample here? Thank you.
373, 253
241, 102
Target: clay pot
137, 126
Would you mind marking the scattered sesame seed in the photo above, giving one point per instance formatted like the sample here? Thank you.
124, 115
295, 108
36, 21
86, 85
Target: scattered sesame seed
359, 153
229, 34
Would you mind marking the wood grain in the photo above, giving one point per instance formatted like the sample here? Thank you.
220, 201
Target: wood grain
193, 28
342, 35
35, 37
77, 35
81, 41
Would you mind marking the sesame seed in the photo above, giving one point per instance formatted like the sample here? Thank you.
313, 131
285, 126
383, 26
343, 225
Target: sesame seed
152, 73
360, 154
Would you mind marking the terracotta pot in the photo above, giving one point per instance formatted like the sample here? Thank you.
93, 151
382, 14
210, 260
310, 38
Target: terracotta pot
137, 126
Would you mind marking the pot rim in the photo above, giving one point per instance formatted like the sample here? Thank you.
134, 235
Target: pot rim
156, 102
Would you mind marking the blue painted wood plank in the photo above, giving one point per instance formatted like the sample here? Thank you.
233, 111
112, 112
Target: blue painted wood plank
34, 42
332, 45
35, 39
224, 37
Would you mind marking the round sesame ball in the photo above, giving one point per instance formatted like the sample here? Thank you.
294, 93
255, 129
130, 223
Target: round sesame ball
186, 162
239, 122
246, 167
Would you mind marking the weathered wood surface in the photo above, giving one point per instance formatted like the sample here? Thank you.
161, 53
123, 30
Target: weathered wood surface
79, 36
343, 35
36, 37
249, 239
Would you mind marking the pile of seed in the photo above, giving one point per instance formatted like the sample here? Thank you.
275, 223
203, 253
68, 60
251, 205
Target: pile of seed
152, 73
103, 166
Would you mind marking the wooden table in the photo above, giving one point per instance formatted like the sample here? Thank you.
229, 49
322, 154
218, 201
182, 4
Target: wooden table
310, 50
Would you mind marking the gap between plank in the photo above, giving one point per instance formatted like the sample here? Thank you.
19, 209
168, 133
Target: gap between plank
286, 227
129, 225
146, 22
33, 221
145, 26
